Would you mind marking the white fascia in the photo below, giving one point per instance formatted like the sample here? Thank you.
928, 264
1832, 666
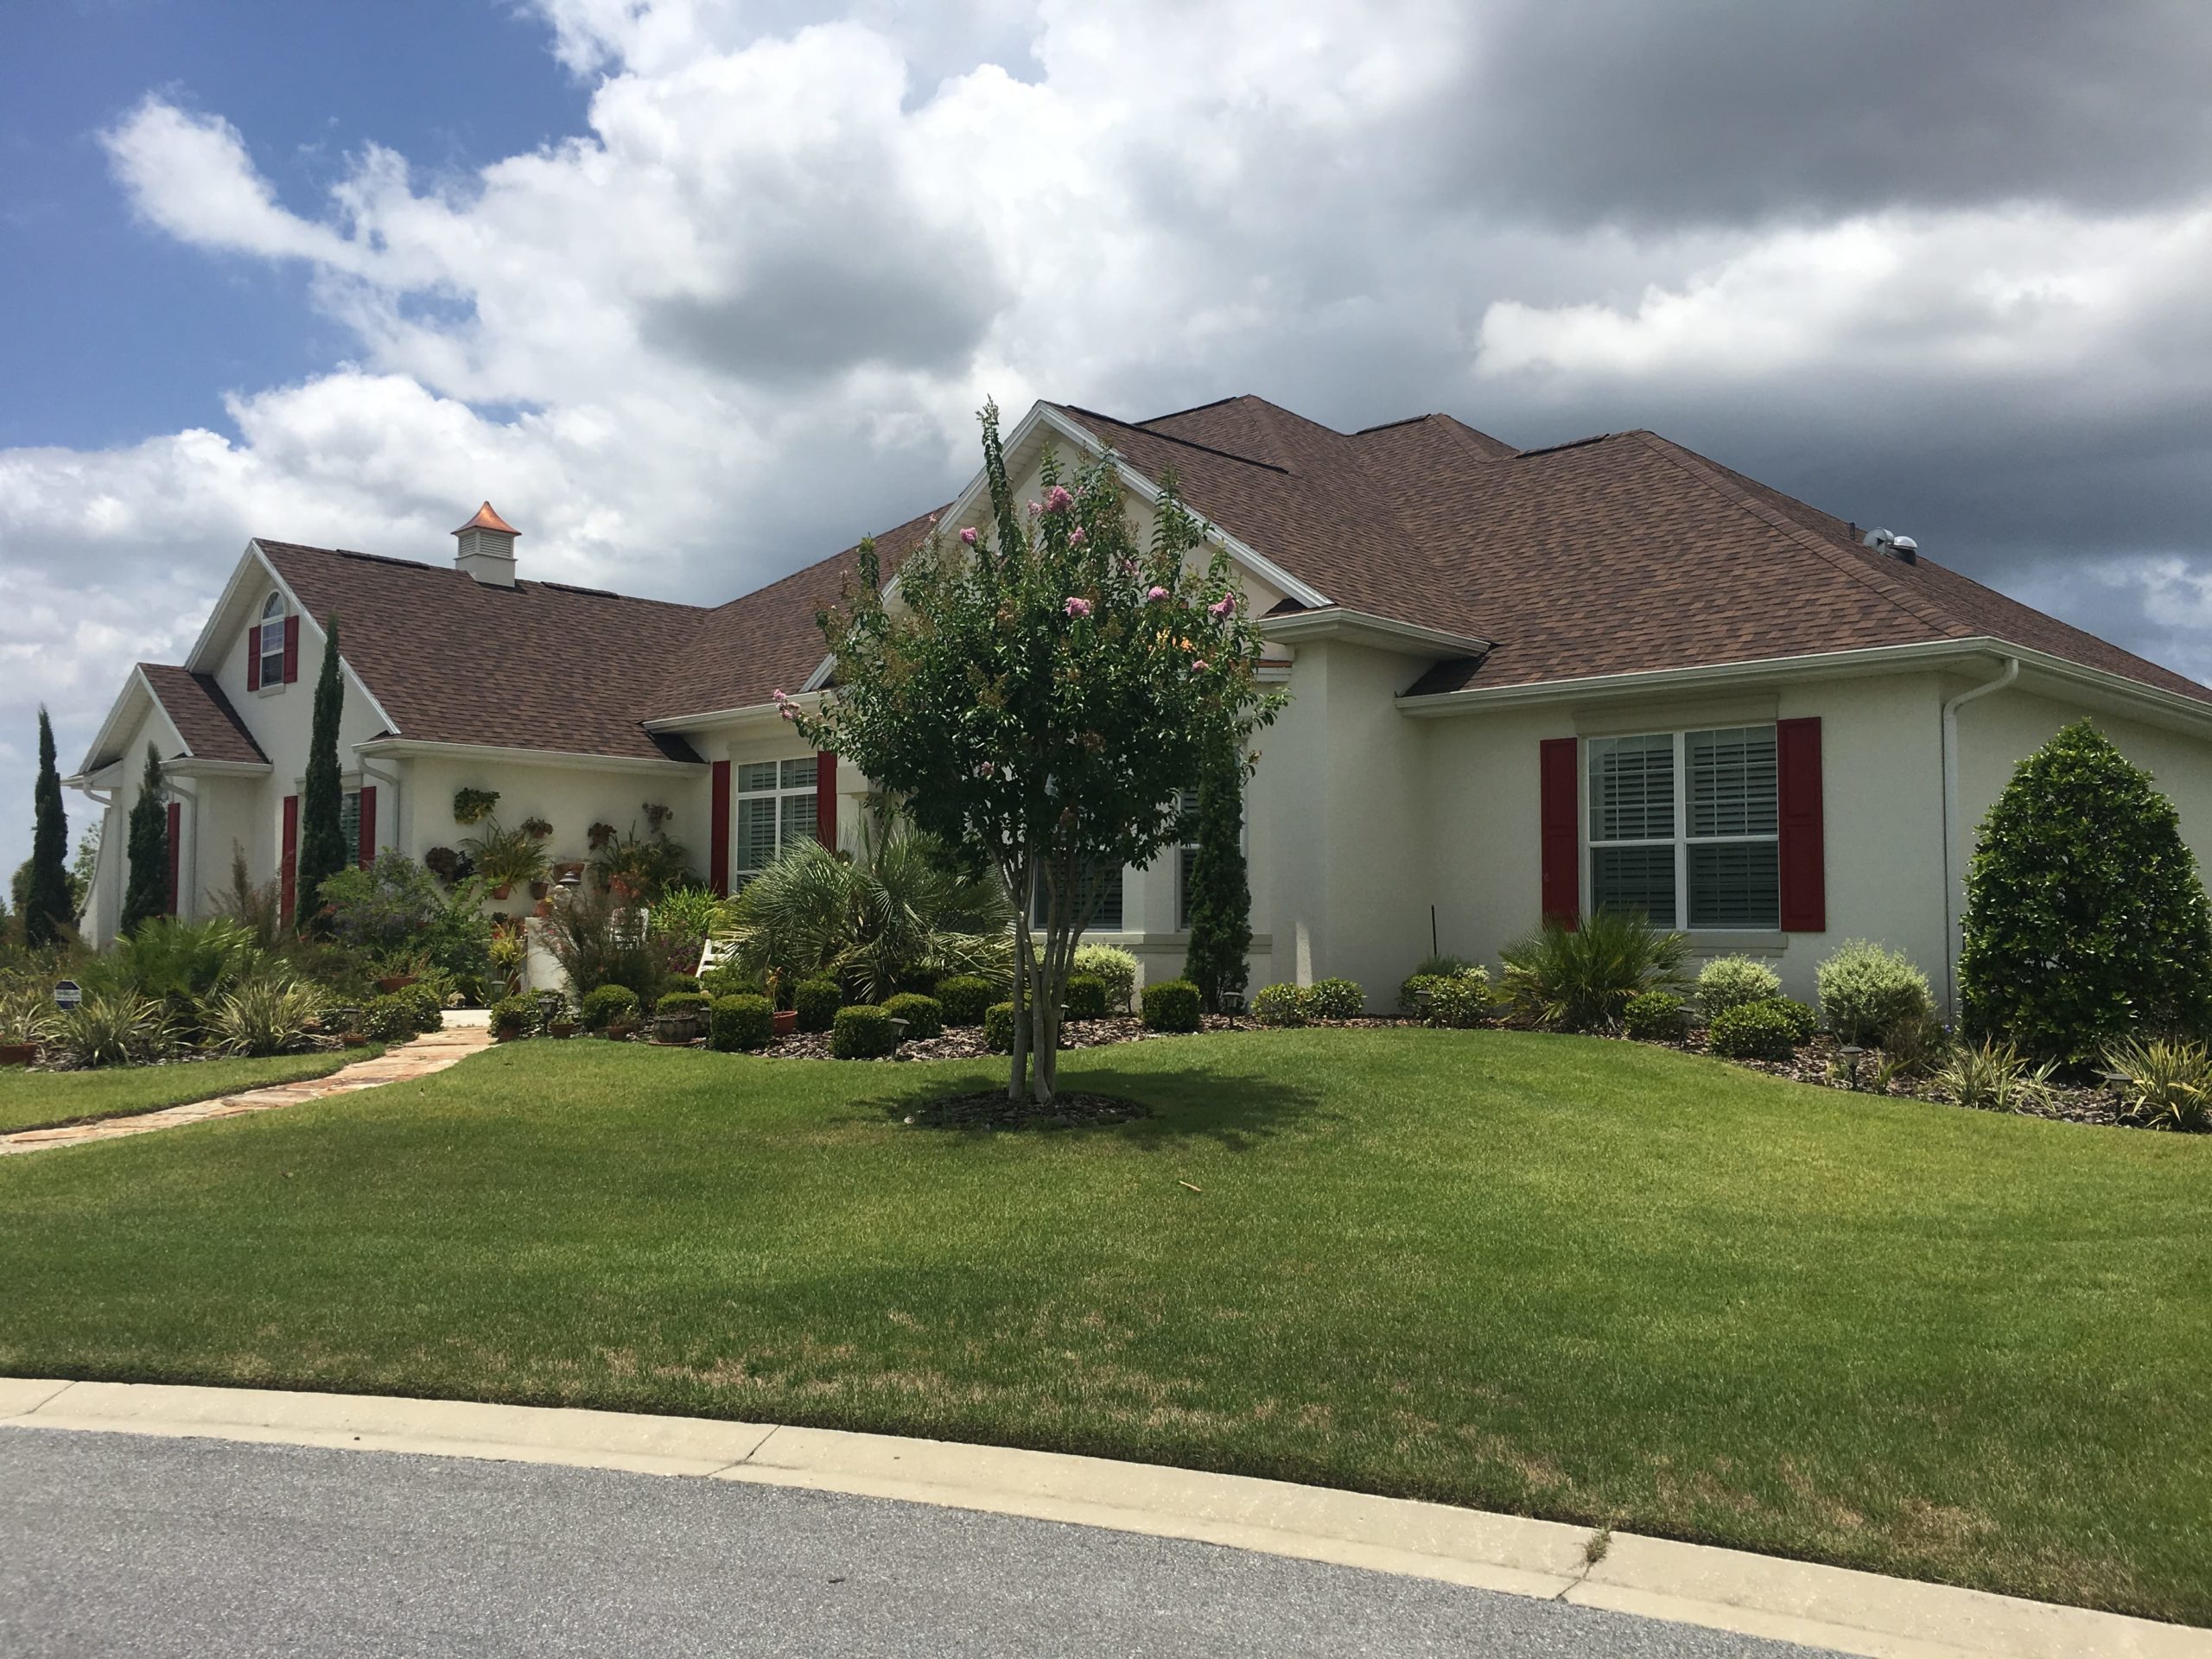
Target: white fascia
134, 685
766, 716
206, 648
2099, 686
1382, 632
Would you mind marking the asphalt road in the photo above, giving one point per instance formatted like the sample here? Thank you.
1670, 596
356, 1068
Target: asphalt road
126, 1544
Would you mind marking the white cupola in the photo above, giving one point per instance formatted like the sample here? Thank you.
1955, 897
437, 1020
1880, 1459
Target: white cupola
486, 549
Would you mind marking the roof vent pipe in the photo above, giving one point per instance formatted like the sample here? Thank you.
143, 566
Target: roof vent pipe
485, 549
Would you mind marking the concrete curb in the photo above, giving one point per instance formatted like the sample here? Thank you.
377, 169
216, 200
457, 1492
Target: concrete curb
1692, 1584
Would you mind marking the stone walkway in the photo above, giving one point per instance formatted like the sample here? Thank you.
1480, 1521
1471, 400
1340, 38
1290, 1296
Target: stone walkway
433, 1052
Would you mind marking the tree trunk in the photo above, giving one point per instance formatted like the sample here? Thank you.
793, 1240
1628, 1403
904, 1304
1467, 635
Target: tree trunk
1018, 1075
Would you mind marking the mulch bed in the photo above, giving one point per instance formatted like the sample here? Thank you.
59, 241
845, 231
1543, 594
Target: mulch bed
966, 1042
990, 1108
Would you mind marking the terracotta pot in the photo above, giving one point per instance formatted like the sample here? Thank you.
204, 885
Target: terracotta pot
503, 889
562, 1028
392, 983
541, 890
621, 1031
354, 1039
786, 1022
18, 1054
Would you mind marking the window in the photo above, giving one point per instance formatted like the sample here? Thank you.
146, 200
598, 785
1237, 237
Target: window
1186, 858
1104, 885
349, 820
775, 810
1686, 815
271, 640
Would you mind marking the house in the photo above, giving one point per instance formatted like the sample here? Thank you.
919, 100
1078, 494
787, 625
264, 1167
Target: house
1522, 683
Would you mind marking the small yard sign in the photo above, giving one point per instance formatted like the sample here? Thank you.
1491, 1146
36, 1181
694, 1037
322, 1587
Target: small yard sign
67, 994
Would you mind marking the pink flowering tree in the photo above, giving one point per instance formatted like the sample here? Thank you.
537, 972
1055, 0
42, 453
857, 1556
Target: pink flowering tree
1037, 696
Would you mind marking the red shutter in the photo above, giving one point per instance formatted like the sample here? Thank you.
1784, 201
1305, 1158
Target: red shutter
1804, 850
253, 657
291, 649
176, 843
718, 830
366, 851
825, 799
1559, 813
288, 858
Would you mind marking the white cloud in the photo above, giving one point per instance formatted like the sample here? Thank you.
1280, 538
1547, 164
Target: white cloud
747, 316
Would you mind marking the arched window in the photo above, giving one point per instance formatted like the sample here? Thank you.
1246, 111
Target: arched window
269, 644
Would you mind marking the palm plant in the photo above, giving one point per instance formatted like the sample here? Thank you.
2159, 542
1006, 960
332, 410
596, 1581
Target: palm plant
1580, 979
894, 916
268, 1015
112, 1027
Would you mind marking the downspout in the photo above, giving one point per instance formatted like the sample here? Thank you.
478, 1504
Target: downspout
1950, 743
106, 804
188, 873
382, 779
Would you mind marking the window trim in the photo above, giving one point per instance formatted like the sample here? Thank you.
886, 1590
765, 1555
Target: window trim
741, 874
273, 615
1682, 839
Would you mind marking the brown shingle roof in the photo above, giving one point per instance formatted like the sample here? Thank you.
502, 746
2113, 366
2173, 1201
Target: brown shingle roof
1619, 554
203, 716
767, 641
540, 665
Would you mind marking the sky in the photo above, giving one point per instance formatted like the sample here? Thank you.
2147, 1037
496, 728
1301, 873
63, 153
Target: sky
698, 291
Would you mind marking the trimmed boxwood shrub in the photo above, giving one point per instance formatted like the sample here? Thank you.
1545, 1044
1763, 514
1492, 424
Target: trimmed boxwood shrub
861, 1032
964, 998
719, 983
1757, 1030
745, 1020
389, 1019
681, 982
429, 1007
513, 1016
682, 1002
1335, 999
1460, 999
1110, 963
1728, 982
1281, 1005
924, 1015
1430, 970
998, 1028
1086, 997
1172, 1005
1656, 1017
816, 1002
2086, 919
1867, 991
1798, 1016
607, 1005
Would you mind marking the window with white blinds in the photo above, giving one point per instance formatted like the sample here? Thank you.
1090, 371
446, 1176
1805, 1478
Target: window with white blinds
775, 810
1104, 885
1683, 826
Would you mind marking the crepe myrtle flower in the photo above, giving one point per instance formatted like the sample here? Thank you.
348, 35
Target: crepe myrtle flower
1056, 500
1155, 596
785, 706
986, 768
1075, 537
1077, 606
1222, 607
1198, 666
968, 537
1034, 509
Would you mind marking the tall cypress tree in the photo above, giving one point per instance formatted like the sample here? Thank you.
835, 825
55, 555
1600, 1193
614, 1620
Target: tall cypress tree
1221, 897
147, 892
46, 909
323, 851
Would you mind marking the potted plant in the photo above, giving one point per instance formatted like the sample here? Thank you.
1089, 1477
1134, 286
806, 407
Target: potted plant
473, 805
504, 857
26, 1015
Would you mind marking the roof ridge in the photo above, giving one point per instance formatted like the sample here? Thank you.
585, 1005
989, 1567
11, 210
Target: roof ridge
1694, 465
1234, 396
1169, 437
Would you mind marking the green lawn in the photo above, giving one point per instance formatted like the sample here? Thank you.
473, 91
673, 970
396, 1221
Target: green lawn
36, 1100
1591, 1280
